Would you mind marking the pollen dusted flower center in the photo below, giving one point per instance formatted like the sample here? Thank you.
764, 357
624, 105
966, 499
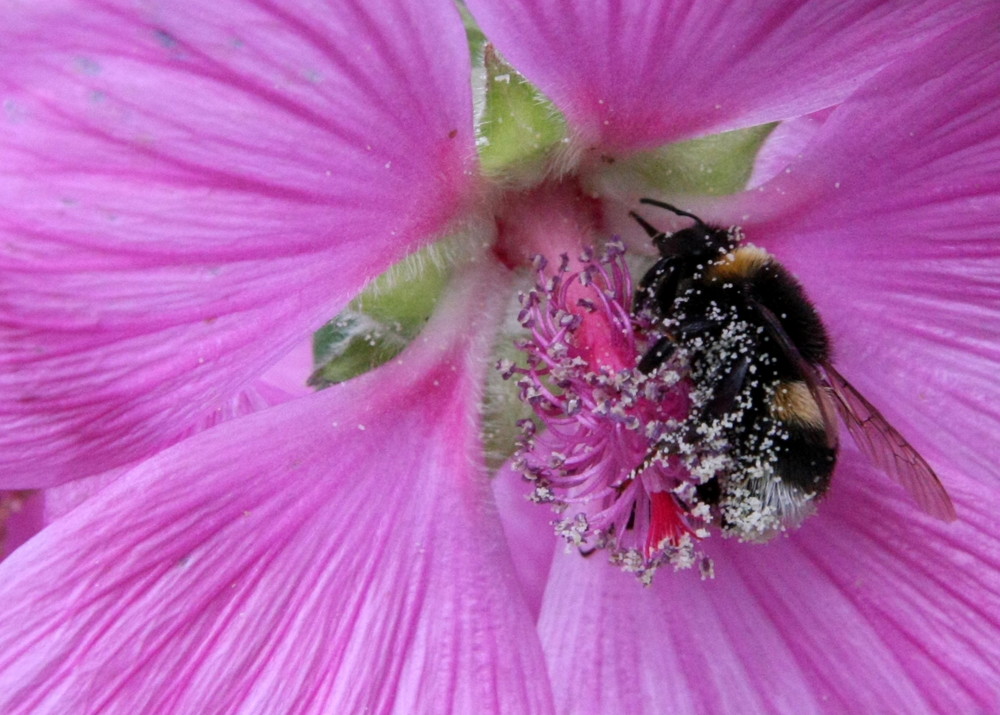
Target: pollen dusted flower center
612, 457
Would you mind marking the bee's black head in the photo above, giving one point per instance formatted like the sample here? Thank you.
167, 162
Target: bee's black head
701, 241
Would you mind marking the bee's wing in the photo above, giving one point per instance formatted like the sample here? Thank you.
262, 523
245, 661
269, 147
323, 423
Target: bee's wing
888, 449
810, 375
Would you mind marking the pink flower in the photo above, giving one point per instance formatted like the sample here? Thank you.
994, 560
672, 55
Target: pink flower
190, 190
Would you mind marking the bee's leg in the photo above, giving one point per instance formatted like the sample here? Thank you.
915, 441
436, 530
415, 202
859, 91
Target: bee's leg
693, 326
728, 389
654, 276
658, 288
657, 355
709, 492
665, 347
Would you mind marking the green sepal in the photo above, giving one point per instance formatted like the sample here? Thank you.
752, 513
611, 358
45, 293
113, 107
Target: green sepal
350, 345
475, 36
379, 323
519, 127
716, 165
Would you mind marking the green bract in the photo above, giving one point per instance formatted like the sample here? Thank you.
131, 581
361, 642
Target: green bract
715, 165
378, 324
519, 127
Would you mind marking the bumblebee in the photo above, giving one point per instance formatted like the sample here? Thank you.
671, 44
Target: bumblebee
763, 435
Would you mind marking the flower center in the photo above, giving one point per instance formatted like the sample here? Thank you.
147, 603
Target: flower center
614, 457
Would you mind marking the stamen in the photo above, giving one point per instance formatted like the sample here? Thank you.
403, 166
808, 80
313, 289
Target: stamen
612, 459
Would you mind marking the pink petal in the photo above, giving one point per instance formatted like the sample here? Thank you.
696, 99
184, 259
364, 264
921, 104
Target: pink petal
288, 377
22, 515
46, 505
785, 145
529, 533
891, 221
866, 608
190, 191
637, 74
63, 498
339, 553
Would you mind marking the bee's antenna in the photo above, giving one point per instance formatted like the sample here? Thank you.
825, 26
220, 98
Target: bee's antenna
650, 229
668, 207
